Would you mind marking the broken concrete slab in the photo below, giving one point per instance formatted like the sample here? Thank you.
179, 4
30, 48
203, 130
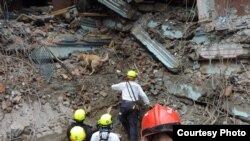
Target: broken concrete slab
64, 52
185, 90
226, 50
88, 24
242, 36
228, 23
240, 111
219, 68
200, 38
7, 106
120, 7
153, 24
171, 33
156, 48
112, 24
16, 129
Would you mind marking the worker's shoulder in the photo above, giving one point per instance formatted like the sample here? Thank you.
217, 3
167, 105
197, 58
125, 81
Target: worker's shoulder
95, 134
134, 83
121, 83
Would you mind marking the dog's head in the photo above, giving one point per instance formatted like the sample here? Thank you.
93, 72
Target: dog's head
81, 57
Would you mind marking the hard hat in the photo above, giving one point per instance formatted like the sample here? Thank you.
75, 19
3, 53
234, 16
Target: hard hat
105, 120
79, 115
159, 119
132, 74
77, 133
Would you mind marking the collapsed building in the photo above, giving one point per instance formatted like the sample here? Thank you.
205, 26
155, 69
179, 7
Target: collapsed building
191, 55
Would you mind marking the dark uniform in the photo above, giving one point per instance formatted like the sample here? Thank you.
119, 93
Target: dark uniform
87, 128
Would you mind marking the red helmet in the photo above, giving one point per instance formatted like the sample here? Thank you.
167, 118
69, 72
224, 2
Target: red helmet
159, 119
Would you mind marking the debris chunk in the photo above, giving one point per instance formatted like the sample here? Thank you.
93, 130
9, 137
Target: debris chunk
7, 106
2, 88
103, 93
17, 99
25, 18
75, 72
157, 49
120, 7
64, 76
228, 90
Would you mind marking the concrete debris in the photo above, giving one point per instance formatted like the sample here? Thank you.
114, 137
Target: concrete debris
112, 24
66, 103
103, 93
15, 93
2, 88
236, 23
38, 33
16, 99
7, 106
210, 10
16, 129
64, 76
218, 68
200, 38
88, 24
172, 36
242, 36
156, 48
153, 24
240, 111
65, 49
120, 7
228, 90
184, 90
76, 72
25, 18
170, 33
75, 24
227, 50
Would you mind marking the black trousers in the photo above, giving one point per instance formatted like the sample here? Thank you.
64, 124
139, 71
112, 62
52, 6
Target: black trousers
129, 119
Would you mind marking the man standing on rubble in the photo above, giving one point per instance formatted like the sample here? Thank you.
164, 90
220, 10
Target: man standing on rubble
129, 108
79, 117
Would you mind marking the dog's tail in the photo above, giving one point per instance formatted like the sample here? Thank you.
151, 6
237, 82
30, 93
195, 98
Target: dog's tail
106, 58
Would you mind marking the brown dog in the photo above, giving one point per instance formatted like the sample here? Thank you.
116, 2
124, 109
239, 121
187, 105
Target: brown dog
92, 60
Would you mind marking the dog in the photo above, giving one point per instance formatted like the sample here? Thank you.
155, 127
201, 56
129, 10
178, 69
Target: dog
92, 60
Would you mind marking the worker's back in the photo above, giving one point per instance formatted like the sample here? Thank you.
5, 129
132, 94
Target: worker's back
105, 136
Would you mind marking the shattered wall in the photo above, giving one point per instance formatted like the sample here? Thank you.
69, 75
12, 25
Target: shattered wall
232, 7
212, 9
205, 9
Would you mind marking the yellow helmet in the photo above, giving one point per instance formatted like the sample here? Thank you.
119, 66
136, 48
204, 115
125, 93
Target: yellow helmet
77, 133
132, 74
105, 120
79, 115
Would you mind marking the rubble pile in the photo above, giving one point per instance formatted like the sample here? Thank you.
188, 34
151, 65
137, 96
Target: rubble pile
200, 70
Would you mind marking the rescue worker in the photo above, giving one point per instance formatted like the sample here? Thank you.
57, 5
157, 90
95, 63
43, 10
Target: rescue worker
129, 108
157, 124
79, 117
105, 126
77, 133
